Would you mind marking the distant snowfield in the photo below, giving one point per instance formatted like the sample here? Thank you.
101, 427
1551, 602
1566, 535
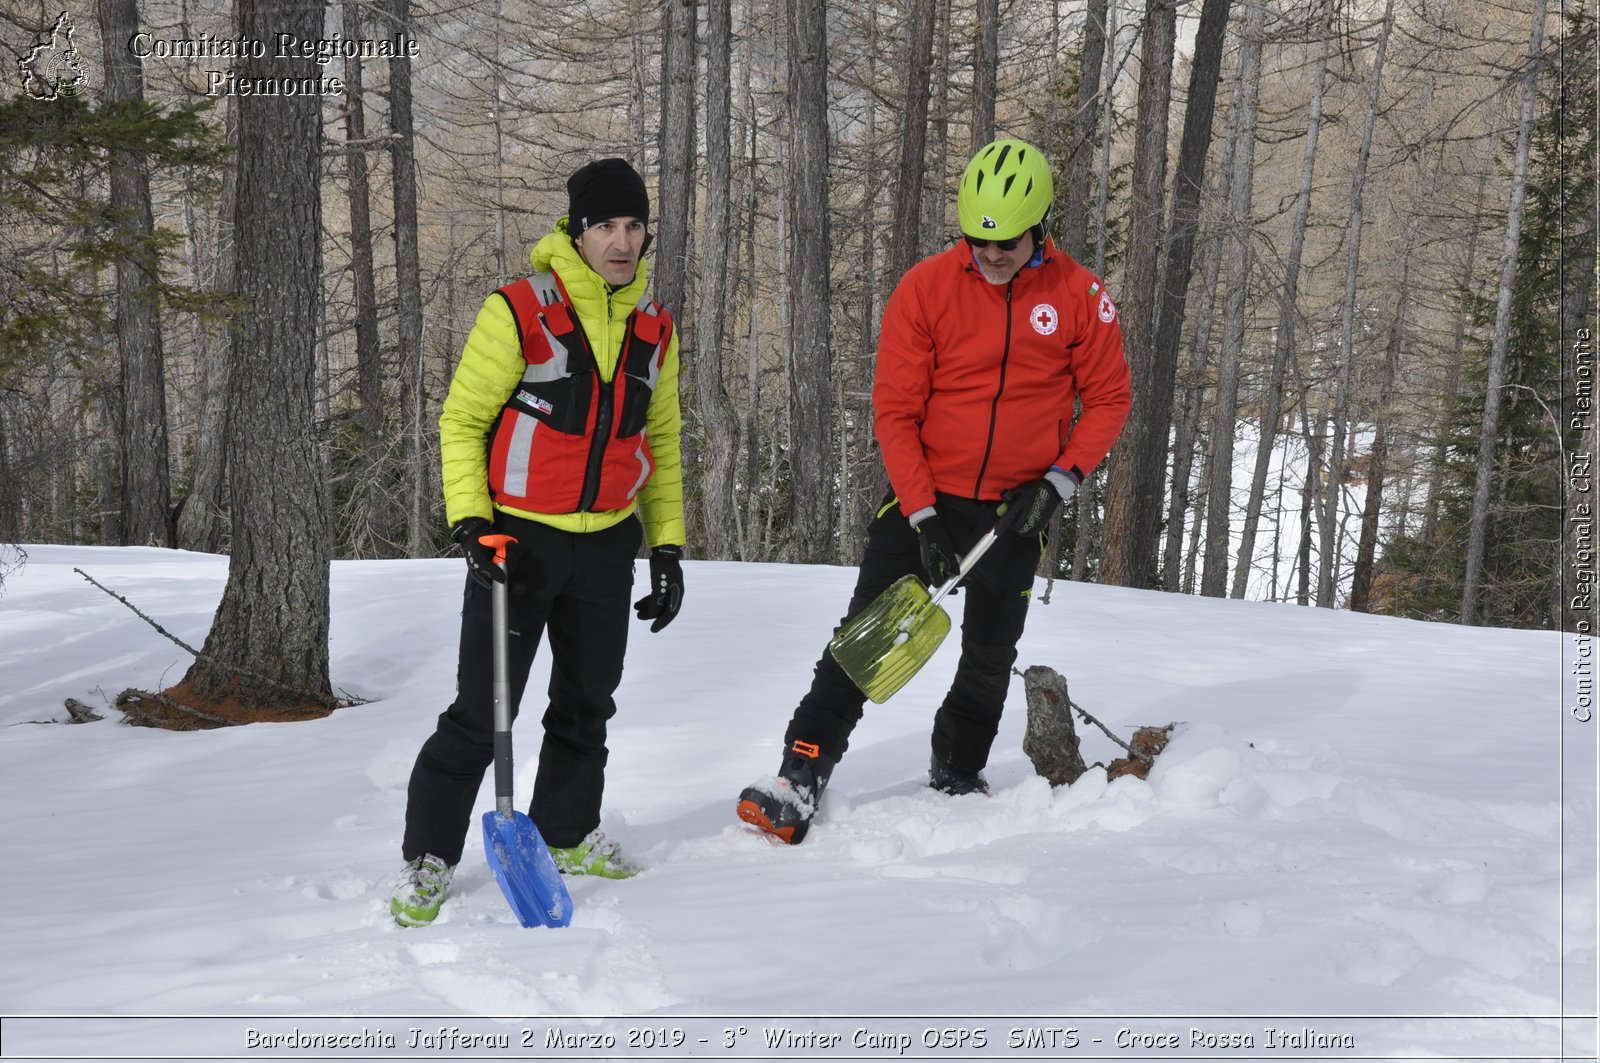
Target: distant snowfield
1375, 837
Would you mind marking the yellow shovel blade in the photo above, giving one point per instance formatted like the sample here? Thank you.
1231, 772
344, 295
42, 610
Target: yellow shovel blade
889, 641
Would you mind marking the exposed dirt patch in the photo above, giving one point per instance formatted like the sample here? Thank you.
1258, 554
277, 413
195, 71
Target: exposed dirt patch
179, 708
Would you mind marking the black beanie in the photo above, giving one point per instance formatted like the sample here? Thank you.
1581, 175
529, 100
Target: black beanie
609, 188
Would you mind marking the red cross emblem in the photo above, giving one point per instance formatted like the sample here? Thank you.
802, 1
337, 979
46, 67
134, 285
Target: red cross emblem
1044, 319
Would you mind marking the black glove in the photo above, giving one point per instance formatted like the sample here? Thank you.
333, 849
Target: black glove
1025, 511
666, 587
480, 558
939, 558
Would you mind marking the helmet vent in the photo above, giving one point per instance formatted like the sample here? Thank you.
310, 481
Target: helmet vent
1001, 161
1007, 189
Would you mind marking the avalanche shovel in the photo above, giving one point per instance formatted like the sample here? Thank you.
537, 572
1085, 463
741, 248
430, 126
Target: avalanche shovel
889, 641
517, 853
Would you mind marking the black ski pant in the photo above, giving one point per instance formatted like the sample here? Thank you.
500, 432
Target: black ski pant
575, 587
995, 596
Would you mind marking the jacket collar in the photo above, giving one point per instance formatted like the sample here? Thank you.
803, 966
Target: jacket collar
586, 288
966, 258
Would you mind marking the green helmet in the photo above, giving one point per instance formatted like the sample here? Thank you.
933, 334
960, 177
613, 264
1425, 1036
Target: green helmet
1005, 191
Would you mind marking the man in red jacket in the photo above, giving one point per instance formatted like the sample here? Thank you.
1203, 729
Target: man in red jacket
984, 348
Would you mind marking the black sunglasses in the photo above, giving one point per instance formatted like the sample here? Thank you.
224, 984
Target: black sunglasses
1004, 245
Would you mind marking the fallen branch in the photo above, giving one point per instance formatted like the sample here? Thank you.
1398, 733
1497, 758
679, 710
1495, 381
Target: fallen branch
304, 695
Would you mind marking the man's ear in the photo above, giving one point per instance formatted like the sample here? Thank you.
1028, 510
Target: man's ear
648, 238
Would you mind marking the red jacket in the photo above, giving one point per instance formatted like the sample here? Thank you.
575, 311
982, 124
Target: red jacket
974, 388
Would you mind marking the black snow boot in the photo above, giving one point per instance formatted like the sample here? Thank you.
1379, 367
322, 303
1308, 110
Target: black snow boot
783, 805
948, 779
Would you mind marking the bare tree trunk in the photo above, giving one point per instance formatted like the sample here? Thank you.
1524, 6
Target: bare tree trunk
1219, 503
720, 431
1377, 466
933, 206
146, 514
1075, 220
1326, 590
985, 65
1501, 337
268, 644
377, 534
1288, 297
1452, 376
1108, 96
677, 147
408, 279
201, 517
753, 479
810, 367
1188, 427
905, 241
502, 254
1185, 216
1138, 463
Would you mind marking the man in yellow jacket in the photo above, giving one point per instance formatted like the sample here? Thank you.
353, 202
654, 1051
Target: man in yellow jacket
561, 429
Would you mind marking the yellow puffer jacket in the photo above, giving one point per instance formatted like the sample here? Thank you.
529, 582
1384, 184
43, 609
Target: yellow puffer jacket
491, 366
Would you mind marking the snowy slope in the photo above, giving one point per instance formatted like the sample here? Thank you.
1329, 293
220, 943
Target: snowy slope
1358, 816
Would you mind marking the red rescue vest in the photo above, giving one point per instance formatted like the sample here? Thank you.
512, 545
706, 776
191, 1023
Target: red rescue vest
568, 441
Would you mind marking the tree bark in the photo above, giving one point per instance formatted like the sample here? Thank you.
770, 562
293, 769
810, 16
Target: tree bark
718, 426
202, 519
268, 644
905, 241
1382, 427
1138, 463
670, 279
1288, 298
376, 536
1326, 590
1225, 414
408, 280
985, 69
754, 481
811, 514
1187, 185
938, 151
1501, 337
1075, 218
146, 504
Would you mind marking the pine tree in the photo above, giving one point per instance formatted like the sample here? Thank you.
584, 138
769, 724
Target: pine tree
1522, 553
59, 230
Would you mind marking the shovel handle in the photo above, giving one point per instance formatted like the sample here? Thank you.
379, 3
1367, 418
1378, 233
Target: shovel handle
498, 541
979, 548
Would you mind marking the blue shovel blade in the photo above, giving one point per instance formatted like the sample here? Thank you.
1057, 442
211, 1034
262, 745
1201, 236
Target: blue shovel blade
527, 875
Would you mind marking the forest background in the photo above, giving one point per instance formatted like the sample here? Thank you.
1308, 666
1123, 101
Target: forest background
1355, 240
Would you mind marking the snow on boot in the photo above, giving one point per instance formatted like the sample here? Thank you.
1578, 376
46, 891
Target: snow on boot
948, 779
421, 891
783, 805
595, 855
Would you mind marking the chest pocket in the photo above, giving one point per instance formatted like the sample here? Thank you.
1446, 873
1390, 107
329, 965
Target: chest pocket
559, 385
641, 366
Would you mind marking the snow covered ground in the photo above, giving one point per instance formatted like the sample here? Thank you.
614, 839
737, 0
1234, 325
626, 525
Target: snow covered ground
1379, 831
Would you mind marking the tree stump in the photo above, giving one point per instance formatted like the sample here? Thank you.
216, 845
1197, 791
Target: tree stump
1051, 739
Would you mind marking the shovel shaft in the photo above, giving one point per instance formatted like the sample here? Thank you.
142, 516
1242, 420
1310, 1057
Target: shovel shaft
502, 696
979, 548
